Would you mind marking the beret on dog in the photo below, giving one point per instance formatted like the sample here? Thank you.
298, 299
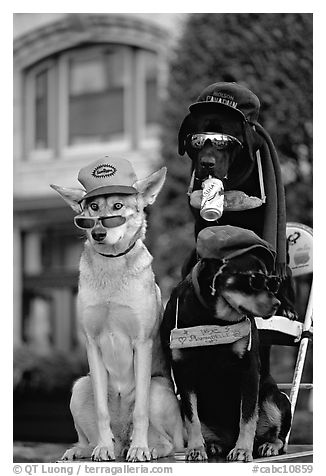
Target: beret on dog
226, 242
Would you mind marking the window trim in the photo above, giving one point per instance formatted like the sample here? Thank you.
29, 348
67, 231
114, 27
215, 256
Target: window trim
29, 109
135, 134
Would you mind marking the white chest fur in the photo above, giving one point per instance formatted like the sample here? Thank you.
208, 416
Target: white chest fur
118, 303
125, 284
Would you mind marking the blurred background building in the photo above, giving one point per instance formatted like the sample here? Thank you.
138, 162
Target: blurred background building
85, 85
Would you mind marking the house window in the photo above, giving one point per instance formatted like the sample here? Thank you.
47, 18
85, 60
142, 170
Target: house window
96, 91
41, 110
96, 97
152, 100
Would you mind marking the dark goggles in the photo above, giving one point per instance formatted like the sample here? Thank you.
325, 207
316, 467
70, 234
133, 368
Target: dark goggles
218, 140
260, 281
87, 223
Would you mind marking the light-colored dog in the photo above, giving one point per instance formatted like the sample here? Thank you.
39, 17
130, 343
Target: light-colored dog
126, 407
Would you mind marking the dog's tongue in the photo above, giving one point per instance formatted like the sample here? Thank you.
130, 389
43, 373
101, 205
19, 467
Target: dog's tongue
112, 222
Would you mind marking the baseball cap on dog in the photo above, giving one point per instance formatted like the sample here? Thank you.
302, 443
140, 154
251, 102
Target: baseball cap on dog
227, 242
108, 176
228, 97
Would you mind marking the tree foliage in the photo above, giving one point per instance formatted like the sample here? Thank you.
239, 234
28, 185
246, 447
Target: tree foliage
271, 54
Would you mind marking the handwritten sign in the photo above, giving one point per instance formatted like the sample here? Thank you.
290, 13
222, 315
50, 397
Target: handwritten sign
200, 336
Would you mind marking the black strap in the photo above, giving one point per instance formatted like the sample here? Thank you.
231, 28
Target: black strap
120, 254
307, 334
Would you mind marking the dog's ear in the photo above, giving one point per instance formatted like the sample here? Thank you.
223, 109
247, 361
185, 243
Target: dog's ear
185, 129
150, 186
213, 265
252, 139
70, 195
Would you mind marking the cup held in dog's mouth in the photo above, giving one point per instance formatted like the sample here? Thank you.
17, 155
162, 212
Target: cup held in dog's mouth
234, 200
212, 202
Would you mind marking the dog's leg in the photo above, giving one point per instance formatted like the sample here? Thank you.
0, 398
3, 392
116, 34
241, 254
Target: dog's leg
196, 444
185, 381
104, 450
139, 450
82, 412
81, 450
244, 445
274, 424
165, 432
268, 429
248, 415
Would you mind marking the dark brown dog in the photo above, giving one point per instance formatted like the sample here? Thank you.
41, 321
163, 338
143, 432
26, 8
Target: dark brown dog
230, 408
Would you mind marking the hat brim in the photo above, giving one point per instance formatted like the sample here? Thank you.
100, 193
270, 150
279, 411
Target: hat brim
211, 106
111, 190
269, 254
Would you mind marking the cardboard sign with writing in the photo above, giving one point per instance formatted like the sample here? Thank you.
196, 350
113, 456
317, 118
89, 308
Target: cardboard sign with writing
200, 336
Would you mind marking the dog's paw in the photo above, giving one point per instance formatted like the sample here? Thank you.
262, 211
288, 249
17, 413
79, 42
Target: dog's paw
196, 454
70, 454
76, 452
136, 453
154, 454
103, 453
214, 450
270, 449
240, 454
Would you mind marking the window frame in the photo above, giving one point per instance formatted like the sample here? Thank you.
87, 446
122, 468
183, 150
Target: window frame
30, 111
135, 134
71, 150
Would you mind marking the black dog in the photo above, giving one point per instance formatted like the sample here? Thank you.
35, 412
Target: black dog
229, 407
231, 111
232, 164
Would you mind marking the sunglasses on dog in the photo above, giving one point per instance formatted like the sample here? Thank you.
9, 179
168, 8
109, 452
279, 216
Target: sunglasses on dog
219, 141
260, 281
87, 223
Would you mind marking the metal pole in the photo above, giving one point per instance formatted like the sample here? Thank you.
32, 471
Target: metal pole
300, 362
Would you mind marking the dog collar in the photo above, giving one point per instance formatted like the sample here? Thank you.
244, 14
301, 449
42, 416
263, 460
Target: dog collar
120, 254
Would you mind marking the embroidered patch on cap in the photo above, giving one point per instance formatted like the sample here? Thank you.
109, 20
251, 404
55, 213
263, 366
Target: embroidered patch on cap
223, 98
104, 170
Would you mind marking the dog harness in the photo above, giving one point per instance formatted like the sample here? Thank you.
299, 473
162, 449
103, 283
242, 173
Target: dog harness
202, 336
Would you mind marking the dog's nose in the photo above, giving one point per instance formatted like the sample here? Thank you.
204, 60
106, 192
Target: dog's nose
208, 161
98, 235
